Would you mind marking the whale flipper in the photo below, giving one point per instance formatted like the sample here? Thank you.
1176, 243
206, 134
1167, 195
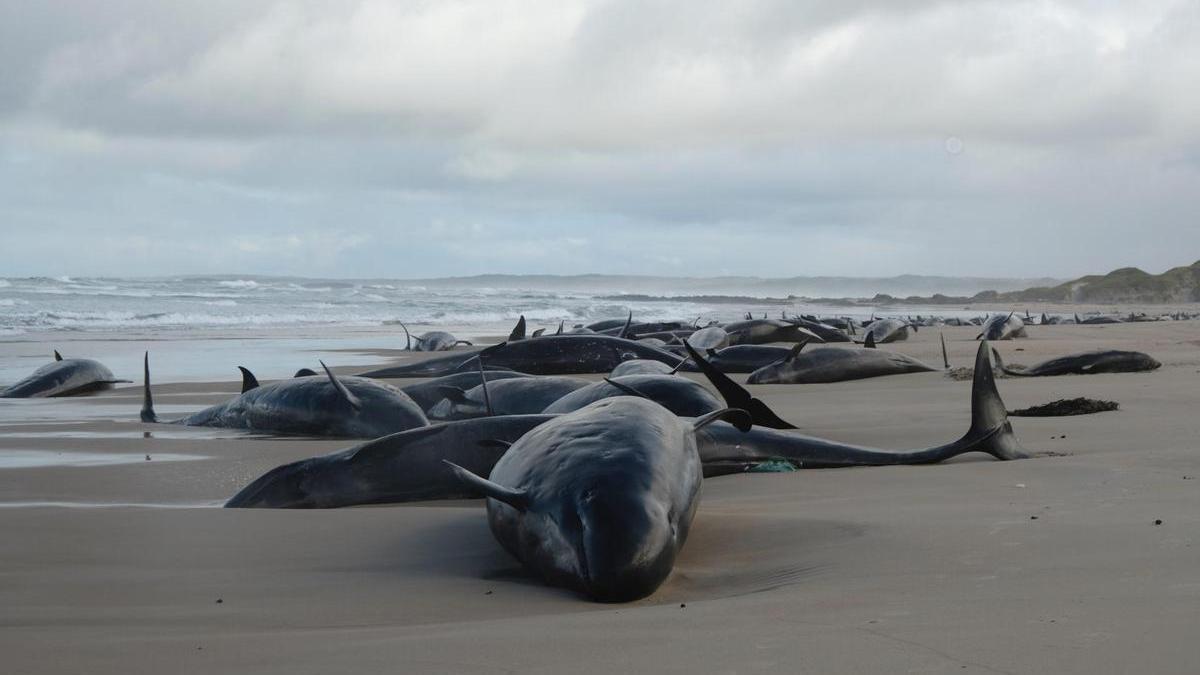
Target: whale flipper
735, 416
248, 380
517, 499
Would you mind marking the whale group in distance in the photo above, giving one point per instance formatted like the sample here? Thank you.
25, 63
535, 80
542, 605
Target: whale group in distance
592, 484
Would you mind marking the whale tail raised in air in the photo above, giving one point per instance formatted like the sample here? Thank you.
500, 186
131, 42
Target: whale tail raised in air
990, 430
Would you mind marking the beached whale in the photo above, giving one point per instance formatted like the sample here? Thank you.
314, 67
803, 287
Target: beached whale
63, 377
642, 367
1001, 327
680, 395
826, 332
433, 341
599, 500
739, 358
430, 393
513, 396
548, 355
1086, 363
882, 331
835, 364
764, 331
726, 450
402, 467
712, 337
348, 407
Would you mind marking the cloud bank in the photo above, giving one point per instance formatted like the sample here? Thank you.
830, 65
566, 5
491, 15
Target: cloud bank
776, 138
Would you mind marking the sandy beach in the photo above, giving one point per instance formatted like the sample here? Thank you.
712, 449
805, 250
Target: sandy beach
116, 559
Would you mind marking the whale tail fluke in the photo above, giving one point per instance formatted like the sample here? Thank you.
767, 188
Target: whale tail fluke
990, 432
148, 415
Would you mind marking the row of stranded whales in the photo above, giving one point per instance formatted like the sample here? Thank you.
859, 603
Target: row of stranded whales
63, 377
346, 407
599, 499
1086, 363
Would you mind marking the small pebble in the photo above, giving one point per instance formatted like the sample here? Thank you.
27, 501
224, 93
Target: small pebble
147, 458
682, 605
1158, 522
488, 593
219, 601
1033, 517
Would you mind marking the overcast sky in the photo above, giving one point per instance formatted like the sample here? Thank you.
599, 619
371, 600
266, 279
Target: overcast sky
777, 138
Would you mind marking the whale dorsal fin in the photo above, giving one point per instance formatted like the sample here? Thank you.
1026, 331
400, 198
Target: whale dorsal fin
795, 351
57, 356
518, 499
518, 331
305, 372
341, 388
869, 343
735, 416
248, 380
560, 327
628, 323
538, 332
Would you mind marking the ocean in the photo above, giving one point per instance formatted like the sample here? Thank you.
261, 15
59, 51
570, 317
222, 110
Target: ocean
202, 327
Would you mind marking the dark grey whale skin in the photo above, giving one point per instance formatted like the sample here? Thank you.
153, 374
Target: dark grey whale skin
684, 397
65, 377
833, 364
402, 467
309, 406
546, 355
513, 396
429, 394
1085, 363
599, 500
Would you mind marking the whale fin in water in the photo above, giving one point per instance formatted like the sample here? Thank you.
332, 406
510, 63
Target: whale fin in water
248, 380
341, 388
57, 356
518, 499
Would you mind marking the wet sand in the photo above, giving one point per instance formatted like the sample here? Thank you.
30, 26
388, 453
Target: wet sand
1052, 564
